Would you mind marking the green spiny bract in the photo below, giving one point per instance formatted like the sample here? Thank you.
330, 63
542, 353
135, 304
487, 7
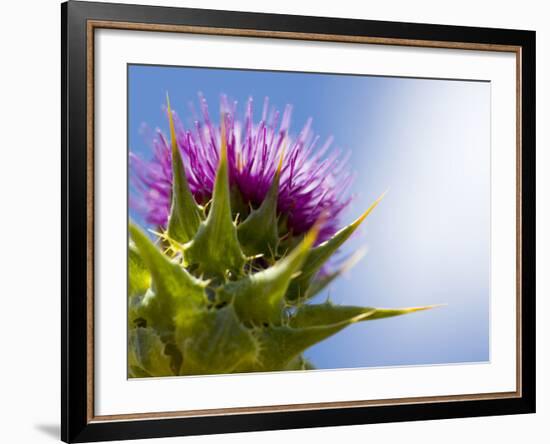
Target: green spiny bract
217, 296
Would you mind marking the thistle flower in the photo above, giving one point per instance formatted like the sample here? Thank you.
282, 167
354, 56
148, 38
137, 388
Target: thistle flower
222, 294
314, 180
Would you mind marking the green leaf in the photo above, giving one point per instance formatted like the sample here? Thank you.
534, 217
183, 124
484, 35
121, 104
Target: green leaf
185, 214
259, 297
258, 233
328, 313
215, 343
320, 254
215, 249
139, 278
174, 290
146, 355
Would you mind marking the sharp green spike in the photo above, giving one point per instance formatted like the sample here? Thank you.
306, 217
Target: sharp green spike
215, 249
382, 313
259, 298
310, 325
185, 214
216, 343
281, 344
174, 290
146, 355
320, 254
328, 313
258, 233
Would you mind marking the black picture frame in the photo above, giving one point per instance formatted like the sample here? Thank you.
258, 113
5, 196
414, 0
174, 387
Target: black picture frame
76, 328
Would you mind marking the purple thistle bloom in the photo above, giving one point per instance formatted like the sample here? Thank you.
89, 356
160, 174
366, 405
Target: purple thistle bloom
314, 181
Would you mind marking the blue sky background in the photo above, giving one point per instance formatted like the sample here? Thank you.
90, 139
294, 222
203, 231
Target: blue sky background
426, 141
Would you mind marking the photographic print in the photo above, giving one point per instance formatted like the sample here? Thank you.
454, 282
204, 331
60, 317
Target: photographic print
296, 221
335, 227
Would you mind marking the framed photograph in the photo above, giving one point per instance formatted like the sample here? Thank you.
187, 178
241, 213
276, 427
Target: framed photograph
275, 221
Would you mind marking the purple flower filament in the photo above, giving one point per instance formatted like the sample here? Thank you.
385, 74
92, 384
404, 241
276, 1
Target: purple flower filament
314, 180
